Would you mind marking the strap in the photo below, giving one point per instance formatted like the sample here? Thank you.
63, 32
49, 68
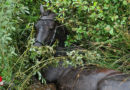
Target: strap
39, 42
46, 18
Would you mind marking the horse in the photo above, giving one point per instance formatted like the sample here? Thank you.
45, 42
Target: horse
86, 78
48, 30
70, 78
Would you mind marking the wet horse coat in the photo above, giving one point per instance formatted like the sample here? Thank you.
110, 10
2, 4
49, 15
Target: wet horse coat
80, 78
87, 78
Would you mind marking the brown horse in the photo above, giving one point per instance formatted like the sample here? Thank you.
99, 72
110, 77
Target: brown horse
70, 78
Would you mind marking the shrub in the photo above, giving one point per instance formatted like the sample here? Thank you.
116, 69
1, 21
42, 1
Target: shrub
9, 18
91, 20
99, 26
96, 25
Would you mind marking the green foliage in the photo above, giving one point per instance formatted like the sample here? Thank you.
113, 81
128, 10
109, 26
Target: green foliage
9, 18
100, 27
7, 51
96, 21
96, 25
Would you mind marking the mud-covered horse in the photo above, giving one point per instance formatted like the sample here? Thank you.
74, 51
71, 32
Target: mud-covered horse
70, 78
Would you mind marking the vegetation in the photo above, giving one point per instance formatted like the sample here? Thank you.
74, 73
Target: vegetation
100, 27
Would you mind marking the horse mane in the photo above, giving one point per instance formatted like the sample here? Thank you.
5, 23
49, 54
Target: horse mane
61, 34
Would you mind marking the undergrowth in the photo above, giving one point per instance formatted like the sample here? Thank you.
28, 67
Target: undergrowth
100, 28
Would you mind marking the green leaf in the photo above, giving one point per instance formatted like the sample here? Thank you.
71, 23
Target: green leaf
111, 31
105, 6
95, 4
125, 2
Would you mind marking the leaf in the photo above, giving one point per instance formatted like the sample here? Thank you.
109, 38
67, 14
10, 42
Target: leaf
39, 75
107, 28
85, 7
105, 6
95, 4
111, 31
125, 2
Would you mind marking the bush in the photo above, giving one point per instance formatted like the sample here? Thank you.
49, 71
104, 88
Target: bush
91, 20
9, 18
100, 27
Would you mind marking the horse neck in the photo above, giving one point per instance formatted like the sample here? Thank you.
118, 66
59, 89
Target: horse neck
52, 74
61, 34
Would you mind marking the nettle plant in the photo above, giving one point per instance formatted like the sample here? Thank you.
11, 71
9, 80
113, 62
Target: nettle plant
96, 21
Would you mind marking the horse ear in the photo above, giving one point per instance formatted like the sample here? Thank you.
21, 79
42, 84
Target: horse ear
41, 9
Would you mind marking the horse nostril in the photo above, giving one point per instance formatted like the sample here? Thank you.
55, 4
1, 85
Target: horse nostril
37, 44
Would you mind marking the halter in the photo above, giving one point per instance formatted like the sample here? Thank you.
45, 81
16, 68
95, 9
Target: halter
45, 18
39, 42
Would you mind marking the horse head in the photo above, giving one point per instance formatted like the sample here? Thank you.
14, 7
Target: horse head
46, 29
